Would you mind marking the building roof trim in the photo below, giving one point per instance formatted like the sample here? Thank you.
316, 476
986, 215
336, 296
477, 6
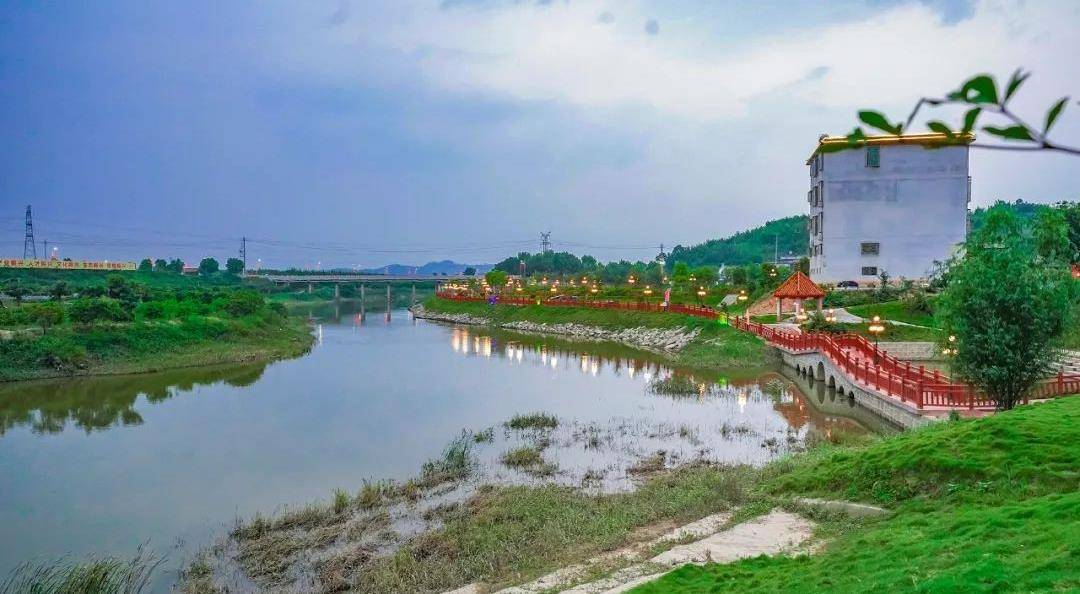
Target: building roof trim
928, 139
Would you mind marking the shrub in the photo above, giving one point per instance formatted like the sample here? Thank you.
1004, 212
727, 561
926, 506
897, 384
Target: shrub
918, 302
151, 310
243, 303
90, 310
817, 323
46, 314
533, 421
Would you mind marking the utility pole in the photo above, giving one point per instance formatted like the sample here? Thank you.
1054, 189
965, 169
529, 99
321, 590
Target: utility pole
243, 251
29, 245
545, 242
776, 250
45, 248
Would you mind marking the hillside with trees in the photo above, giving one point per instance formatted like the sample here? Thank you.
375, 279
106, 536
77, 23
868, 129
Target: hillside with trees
787, 236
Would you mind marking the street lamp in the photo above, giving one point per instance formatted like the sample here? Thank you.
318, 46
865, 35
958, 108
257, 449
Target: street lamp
876, 328
647, 291
631, 280
700, 294
830, 315
950, 349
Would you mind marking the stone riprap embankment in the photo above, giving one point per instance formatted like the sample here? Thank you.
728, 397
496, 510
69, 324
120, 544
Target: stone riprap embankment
669, 340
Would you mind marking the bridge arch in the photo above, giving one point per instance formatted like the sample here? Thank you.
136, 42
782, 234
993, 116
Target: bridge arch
820, 371
832, 382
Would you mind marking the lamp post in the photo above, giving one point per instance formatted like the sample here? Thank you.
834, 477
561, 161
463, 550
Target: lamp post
700, 295
742, 299
950, 349
647, 291
830, 316
876, 328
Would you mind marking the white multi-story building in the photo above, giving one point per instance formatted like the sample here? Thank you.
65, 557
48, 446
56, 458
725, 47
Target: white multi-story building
894, 204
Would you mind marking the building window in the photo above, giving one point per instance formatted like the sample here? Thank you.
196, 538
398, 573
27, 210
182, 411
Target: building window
870, 248
869, 270
873, 156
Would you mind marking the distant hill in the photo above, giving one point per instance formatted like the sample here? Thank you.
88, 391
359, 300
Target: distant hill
756, 245
431, 268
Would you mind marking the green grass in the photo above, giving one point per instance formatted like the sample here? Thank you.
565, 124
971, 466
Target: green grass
523, 457
151, 346
99, 575
537, 420
987, 505
513, 533
893, 311
717, 346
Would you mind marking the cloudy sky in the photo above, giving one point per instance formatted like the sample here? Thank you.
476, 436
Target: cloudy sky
359, 132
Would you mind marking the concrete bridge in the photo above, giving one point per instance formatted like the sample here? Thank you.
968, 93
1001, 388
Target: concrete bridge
363, 280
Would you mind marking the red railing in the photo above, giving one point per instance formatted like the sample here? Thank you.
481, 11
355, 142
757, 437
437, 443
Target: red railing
861, 360
865, 364
689, 310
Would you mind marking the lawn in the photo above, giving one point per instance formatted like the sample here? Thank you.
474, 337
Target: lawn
986, 505
893, 311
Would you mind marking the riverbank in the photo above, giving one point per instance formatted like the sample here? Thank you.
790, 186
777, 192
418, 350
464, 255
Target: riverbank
148, 347
684, 340
973, 504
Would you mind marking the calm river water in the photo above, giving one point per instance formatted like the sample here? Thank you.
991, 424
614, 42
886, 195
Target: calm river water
101, 465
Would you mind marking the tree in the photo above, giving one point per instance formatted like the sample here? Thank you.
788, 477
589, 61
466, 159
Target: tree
978, 95
234, 265
803, 265
146, 265
736, 275
1050, 231
1071, 212
1004, 304
176, 265
59, 289
208, 266
160, 265
87, 311
242, 303
495, 278
15, 290
46, 314
470, 271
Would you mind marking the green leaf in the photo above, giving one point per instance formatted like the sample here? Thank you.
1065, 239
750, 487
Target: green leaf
1012, 132
878, 120
940, 128
1054, 112
856, 136
980, 89
1015, 81
969, 119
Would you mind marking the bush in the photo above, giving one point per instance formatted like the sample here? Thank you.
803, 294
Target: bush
817, 323
15, 316
90, 310
46, 314
151, 310
243, 303
918, 302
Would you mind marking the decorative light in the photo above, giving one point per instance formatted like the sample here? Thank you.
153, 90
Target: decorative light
647, 290
950, 350
830, 315
631, 280
742, 295
553, 288
593, 289
701, 292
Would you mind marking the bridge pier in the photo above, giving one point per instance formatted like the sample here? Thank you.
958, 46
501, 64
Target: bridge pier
414, 295
337, 291
311, 287
363, 295
387, 302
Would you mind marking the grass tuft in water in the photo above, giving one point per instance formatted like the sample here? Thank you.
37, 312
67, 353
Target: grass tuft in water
536, 420
100, 575
456, 463
340, 502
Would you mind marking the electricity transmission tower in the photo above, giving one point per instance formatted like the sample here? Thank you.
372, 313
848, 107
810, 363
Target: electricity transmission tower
29, 245
243, 251
545, 242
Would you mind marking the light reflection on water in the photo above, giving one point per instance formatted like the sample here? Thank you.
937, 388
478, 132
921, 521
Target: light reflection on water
104, 464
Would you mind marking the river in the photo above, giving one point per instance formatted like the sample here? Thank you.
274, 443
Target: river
102, 465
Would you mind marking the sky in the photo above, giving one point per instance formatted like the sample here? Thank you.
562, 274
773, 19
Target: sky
360, 133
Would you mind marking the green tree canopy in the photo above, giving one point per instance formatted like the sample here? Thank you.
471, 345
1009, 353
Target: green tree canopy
234, 265
1005, 304
146, 265
209, 266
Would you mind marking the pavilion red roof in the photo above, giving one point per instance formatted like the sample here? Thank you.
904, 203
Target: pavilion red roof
798, 286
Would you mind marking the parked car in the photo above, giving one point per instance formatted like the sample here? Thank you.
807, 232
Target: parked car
848, 284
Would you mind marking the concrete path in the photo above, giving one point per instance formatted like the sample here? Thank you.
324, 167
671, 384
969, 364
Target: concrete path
778, 532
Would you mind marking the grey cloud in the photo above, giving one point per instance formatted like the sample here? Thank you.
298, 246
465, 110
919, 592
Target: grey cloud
606, 17
817, 73
652, 27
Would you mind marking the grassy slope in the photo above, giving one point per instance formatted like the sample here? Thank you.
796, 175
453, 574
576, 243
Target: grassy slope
893, 311
144, 347
716, 346
987, 505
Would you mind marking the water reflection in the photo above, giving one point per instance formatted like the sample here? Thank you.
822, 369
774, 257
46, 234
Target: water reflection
99, 403
785, 394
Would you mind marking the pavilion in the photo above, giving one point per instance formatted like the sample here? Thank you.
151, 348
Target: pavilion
797, 287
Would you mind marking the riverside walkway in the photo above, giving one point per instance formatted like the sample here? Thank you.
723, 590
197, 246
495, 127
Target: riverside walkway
853, 357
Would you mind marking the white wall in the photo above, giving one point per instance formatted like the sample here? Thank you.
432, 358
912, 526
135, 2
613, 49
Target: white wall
914, 205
